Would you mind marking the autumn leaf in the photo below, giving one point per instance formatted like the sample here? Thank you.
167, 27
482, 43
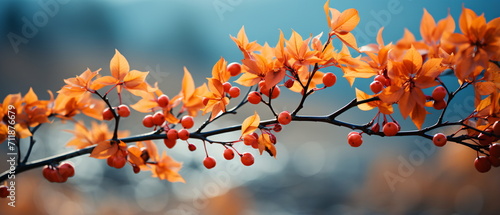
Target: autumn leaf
134, 81
250, 124
77, 86
107, 148
265, 144
97, 133
241, 41
383, 107
341, 24
190, 96
166, 168
217, 101
220, 72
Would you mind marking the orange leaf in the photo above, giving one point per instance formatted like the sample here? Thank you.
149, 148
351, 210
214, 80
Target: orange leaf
347, 21
104, 149
134, 155
412, 61
187, 84
266, 144
391, 94
486, 102
104, 81
30, 97
119, 66
167, 169
406, 104
250, 124
427, 26
360, 95
326, 8
248, 79
418, 116
220, 72
349, 40
485, 88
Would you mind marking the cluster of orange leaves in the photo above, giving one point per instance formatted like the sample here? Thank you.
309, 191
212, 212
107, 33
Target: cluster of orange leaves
409, 65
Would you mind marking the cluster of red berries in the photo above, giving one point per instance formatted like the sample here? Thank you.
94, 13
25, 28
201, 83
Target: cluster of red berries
252, 140
490, 135
59, 173
172, 134
355, 138
379, 83
231, 90
438, 95
246, 158
122, 111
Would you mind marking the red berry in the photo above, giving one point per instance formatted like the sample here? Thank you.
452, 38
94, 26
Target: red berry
170, 143
52, 174
57, 177
187, 122
247, 159
4, 192
148, 121
172, 134
485, 139
66, 169
163, 101
226, 86
277, 128
329, 79
46, 172
254, 97
381, 79
495, 150
275, 92
249, 139
183, 134
228, 154
158, 118
439, 139
234, 92
354, 139
107, 114
439, 93
116, 161
234, 68
123, 110
390, 129
255, 145
376, 86
284, 118
482, 164
136, 169
494, 161
191, 147
289, 83
272, 137
209, 162
439, 104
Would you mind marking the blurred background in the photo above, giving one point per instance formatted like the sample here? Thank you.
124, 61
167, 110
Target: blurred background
316, 172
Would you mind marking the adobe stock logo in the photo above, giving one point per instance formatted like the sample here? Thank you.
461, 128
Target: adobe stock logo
30, 27
364, 34
223, 6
